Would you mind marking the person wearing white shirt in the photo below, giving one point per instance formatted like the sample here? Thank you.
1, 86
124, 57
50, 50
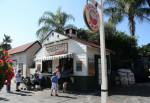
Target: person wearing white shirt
18, 80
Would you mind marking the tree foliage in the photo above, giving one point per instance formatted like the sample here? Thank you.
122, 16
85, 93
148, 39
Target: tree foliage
123, 45
132, 9
52, 21
6, 44
145, 50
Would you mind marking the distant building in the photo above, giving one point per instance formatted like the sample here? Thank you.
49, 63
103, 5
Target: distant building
23, 56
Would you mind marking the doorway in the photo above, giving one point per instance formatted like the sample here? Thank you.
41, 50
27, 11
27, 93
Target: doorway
47, 66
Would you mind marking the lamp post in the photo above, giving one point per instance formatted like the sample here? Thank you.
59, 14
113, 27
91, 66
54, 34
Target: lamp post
94, 20
104, 83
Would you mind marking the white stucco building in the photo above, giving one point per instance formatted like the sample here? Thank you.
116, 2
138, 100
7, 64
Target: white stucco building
79, 56
23, 57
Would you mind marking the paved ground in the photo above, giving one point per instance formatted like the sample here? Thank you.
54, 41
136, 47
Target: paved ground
136, 94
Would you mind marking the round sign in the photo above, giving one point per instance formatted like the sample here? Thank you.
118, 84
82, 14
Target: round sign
91, 17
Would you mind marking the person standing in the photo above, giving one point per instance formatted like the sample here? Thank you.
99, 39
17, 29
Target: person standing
38, 76
8, 81
8, 85
54, 81
18, 80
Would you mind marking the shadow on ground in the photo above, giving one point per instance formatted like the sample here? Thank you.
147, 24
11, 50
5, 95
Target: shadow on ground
142, 90
135, 90
22, 93
3, 99
68, 97
94, 92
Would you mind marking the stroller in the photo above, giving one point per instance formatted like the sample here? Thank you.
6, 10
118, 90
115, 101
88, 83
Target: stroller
31, 82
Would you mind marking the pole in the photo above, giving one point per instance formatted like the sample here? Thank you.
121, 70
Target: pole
104, 83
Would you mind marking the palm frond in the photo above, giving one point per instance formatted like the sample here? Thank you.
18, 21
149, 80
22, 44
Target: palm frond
115, 15
49, 15
143, 13
51, 20
7, 39
148, 1
43, 31
47, 21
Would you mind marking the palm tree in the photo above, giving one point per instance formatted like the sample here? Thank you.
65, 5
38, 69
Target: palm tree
148, 1
50, 21
6, 42
132, 9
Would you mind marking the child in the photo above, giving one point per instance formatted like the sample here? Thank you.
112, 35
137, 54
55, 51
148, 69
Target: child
54, 80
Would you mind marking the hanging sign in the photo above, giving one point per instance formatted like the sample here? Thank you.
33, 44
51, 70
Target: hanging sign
91, 17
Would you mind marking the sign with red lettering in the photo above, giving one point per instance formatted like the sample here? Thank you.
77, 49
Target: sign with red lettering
57, 49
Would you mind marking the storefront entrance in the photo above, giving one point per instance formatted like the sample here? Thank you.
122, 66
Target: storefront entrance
66, 69
66, 64
47, 66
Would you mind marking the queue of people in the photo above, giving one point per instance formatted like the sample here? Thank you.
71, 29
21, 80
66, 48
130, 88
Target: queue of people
59, 78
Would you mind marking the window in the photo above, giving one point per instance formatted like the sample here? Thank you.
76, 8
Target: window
15, 63
38, 67
52, 34
20, 67
79, 66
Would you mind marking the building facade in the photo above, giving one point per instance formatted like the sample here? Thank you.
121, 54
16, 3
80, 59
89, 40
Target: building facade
77, 58
23, 57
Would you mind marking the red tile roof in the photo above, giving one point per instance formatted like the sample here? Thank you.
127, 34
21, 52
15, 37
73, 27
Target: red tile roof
21, 48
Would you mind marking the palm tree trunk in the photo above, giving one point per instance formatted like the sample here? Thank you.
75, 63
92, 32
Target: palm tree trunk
132, 25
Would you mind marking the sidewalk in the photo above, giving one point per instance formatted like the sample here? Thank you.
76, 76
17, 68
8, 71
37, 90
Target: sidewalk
44, 97
136, 94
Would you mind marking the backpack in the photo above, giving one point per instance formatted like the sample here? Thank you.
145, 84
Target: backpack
54, 79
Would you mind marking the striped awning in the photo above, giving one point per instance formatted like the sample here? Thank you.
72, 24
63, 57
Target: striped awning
68, 55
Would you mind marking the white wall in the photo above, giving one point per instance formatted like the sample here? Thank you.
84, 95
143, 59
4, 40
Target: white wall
41, 53
20, 58
27, 58
80, 54
55, 37
78, 49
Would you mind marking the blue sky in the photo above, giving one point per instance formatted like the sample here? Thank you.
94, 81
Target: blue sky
19, 19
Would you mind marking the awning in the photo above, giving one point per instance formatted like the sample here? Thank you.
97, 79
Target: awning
69, 55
